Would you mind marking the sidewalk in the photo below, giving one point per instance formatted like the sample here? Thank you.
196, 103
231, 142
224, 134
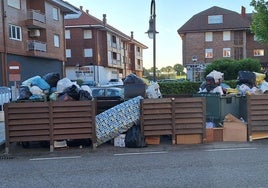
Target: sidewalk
2, 134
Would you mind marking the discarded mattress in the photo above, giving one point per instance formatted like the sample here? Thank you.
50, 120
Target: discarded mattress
116, 120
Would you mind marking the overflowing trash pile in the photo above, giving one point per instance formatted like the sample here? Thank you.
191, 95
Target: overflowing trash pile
51, 88
248, 83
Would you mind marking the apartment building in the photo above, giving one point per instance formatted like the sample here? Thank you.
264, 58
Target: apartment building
218, 33
98, 52
32, 40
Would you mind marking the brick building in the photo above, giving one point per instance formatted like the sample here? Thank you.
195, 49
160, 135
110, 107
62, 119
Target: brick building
218, 33
32, 37
98, 52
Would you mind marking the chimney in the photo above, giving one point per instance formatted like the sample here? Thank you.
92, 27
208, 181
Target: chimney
104, 19
243, 11
81, 7
132, 36
87, 11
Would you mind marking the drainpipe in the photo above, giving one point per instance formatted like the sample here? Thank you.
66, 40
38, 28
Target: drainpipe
64, 51
4, 57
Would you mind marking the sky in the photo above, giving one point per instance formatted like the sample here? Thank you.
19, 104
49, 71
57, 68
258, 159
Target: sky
130, 15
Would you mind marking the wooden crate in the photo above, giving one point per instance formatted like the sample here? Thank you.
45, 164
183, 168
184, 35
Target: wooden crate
189, 139
218, 134
152, 140
209, 135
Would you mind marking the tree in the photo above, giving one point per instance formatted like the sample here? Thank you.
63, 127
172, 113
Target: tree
179, 69
259, 24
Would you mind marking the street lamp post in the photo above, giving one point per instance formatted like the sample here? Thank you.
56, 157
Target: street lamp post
194, 59
151, 34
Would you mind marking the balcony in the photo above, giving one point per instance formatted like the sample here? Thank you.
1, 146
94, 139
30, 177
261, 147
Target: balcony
35, 19
33, 45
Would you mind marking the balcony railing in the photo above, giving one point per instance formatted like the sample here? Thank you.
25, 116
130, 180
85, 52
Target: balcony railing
36, 15
34, 45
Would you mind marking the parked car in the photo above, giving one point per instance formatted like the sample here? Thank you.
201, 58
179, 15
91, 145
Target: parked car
107, 92
90, 83
115, 82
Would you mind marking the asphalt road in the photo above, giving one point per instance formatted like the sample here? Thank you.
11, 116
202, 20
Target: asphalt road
165, 165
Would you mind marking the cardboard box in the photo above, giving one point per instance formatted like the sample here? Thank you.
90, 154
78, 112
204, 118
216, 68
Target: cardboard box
189, 139
119, 141
152, 140
234, 129
60, 144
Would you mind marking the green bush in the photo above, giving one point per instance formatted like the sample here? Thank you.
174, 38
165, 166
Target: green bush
179, 88
230, 67
186, 88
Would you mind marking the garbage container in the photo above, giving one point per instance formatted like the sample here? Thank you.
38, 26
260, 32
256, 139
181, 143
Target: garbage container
212, 105
134, 90
218, 106
243, 108
133, 87
229, 104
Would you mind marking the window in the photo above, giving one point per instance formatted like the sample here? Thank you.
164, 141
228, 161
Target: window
87, 34
209, 36
88, 52
209, 53
67, 34
114, 39
259, 52
238, 37
114, 56
226, 52
56, 40
14, 3
15, 32
226, 35
68, 53
238, 53
55, 13
215, 19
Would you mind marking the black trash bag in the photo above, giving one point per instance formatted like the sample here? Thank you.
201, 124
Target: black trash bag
72, 91
134, 138
210, 83
84, 95
133, 79
246, 77
24, 93
52, 78
266, 76
64, 97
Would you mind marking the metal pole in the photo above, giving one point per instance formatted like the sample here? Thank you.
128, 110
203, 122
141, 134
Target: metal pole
154, 39
154, 53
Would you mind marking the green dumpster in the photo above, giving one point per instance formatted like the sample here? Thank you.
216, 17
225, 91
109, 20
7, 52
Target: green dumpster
218, 106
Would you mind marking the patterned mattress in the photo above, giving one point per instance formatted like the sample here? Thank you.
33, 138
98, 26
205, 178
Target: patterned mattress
116, 120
